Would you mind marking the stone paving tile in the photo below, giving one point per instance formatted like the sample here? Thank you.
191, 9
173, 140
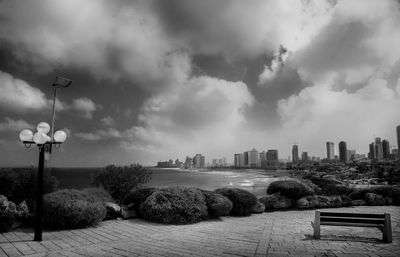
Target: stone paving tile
286, 233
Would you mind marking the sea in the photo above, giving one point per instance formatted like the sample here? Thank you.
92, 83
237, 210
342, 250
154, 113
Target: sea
252, 180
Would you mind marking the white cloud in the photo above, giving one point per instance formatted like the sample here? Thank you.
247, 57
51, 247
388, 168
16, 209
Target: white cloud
271, 71
203, 114
318, 114
108, 121
14, 125
84, 106
110, 133
18, 95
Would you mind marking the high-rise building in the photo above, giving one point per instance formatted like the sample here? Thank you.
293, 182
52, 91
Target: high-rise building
378, 149
330, 150
371, 154
272, 155
386, 149
252, 158
343, 151
304, 156
398, 139
236, 160
199, 161
188, 163
295, 153
351, 155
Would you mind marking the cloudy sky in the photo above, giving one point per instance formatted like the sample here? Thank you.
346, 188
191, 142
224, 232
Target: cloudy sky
156, 79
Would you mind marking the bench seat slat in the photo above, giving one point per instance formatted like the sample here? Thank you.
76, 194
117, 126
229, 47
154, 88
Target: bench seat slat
353, 220
358, 215
350, 224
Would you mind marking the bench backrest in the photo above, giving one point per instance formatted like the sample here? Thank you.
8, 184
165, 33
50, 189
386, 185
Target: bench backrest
351, 218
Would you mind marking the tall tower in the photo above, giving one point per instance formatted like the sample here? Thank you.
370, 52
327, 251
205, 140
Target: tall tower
295, 153
371, 154
398, 139
386, 149
330, 150
378, 149
342, 151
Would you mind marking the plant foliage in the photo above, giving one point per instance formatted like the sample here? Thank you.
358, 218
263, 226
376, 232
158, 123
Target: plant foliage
119, 181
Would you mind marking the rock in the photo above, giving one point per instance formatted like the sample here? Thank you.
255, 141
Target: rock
7, 214
22, 210
127, 214
275, 202
258, 208
358, 202
113, 210
374, 199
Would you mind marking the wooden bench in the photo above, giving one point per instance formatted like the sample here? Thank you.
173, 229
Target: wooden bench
380, 221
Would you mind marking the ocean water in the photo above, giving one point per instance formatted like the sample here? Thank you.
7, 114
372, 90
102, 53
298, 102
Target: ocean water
255, 181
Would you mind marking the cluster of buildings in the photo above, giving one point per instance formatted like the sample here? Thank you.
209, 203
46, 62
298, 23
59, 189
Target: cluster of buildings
198, 161
378, 151
254, 159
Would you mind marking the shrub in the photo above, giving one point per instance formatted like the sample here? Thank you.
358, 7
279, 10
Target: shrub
374, 199
176, 205
276, 202
346, 200
99, 193
290, 188
119, 181
336, 189
217, 204
19, 184
7, 214
242, 200
70, 208
134, 199
384, 191
319, 181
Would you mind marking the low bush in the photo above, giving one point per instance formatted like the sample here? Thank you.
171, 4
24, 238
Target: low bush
374, 199
99, 193
319, 201
242, 200
320, 181
135, 198
292, 189
175, 205
217, 204
276, 202
385, 191
70, 208
336, 189
19, 184
119, 181
346, 201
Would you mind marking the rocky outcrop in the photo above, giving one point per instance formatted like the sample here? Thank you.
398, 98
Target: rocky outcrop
113, 210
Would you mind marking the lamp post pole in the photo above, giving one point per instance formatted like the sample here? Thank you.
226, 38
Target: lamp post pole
45, 143
39, 196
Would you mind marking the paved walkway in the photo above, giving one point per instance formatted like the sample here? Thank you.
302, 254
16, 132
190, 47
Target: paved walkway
286, 233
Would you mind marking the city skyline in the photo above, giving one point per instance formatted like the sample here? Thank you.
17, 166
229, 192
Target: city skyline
156, 79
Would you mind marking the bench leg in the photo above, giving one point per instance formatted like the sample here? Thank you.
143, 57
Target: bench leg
317, 226
387, 229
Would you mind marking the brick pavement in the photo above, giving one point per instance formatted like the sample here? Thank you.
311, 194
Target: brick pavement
287, 233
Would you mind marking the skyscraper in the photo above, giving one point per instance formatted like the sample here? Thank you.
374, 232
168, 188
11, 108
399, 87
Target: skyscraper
398, 139
295, 153
342, 151
199, 161
236, 159
386, 149
330, 150
378, 149
304, 156
272, 155
371, 154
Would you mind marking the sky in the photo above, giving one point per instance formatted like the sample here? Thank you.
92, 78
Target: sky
154, 79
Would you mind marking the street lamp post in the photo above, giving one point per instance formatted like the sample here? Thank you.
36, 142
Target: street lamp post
44, 143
